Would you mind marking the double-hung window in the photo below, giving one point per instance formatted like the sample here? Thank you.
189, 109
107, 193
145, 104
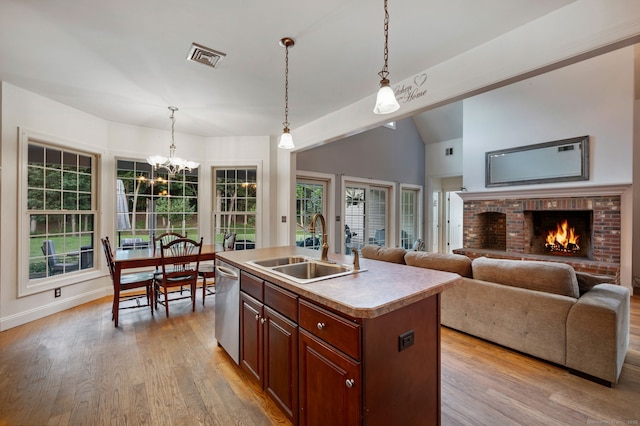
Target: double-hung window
236, 205
60, 198
152, 202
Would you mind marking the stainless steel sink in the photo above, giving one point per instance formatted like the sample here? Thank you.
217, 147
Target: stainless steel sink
309, 270
303, 269
268, 263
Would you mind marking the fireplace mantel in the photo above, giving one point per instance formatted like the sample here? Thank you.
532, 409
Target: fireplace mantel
576, 191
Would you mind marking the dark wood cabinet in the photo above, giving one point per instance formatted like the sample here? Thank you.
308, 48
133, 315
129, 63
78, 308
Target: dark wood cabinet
330, 385
251, 347
269, 340
323, 367
281, 361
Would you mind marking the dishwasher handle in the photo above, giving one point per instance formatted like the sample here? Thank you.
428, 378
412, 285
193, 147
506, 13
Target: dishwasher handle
227, 272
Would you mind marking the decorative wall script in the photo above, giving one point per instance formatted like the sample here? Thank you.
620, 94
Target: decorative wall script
407, 93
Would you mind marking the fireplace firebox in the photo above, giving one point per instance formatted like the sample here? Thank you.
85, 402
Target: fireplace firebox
559, 232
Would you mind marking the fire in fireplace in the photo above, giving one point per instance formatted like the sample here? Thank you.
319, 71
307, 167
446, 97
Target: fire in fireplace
559, 232
563, 239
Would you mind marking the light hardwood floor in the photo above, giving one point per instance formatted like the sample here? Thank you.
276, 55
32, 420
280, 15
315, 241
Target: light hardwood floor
76, 368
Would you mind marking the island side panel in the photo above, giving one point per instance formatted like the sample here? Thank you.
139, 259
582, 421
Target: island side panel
403, 386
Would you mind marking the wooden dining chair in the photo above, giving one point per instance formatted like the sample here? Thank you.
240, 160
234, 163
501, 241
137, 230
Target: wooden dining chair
164, 238
129, 281
180, 261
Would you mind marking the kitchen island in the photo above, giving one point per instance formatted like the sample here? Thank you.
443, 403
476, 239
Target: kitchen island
361, 348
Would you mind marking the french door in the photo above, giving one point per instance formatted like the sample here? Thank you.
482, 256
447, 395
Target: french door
366, 215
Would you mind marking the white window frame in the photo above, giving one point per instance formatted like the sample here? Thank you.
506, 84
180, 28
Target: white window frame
260, 182
419, 212
165, 180
390, 236
28, 286
330, 205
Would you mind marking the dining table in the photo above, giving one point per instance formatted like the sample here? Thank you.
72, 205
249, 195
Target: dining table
140, 258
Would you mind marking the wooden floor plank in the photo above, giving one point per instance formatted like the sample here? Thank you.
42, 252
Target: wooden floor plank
74, 367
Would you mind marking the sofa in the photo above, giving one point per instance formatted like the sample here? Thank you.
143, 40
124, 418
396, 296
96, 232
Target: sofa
544, 309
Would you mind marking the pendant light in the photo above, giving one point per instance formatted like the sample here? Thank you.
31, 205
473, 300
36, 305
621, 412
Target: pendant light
172, 164
286, 140
386, 100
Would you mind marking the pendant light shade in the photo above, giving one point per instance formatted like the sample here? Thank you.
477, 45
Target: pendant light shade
386, 100
286, 140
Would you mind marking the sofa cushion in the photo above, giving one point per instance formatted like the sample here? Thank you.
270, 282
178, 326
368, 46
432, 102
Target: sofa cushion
456, 263
550, 277
587, 281
386, 254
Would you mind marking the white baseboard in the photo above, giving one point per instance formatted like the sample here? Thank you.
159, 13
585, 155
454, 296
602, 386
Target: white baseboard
51, 308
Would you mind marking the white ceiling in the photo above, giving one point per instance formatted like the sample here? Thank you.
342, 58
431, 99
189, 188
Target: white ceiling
124, 60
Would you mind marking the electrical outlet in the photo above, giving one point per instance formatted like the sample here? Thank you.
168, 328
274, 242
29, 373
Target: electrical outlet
57, 292
405, 340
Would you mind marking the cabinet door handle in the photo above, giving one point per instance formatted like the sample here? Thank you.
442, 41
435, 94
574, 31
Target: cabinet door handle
350, 383
263, 320
321, 325
257, 317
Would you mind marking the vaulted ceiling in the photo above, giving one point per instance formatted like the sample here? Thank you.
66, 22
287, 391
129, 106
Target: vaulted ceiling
125, 61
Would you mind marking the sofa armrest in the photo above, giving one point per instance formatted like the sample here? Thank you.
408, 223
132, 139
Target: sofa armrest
598, 332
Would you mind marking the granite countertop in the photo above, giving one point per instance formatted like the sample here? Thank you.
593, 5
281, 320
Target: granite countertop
382, 288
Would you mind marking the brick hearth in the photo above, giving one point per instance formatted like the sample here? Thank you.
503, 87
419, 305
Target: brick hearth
500, 228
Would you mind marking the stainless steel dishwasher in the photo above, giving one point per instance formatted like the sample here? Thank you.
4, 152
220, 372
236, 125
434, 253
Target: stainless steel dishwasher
227, 304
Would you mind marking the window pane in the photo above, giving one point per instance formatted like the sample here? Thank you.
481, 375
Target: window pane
84, 202
151, 203
58, 241
53, 179
365, 216
70, 201
235, 205
70, 181
53, 200
36, 155
354, 217
408, 218
35, 199
35, 176
309, 201
84, 164
54, 159
70, 161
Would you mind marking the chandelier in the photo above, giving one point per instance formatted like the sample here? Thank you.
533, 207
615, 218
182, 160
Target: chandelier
286, 140
172, 164
386, 100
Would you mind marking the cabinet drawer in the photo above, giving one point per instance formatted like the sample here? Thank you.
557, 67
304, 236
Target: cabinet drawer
252, 285
281, 300
333, 329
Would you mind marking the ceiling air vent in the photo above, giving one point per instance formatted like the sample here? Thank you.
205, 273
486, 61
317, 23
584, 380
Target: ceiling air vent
204, 55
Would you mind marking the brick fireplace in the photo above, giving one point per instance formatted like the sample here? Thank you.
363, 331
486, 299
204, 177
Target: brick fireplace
516, 228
